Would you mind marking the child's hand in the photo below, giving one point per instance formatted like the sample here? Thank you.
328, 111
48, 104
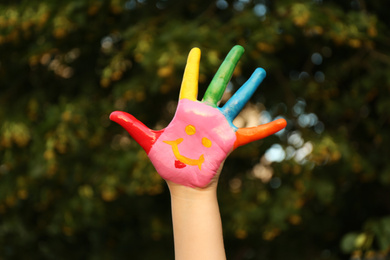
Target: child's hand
191, 149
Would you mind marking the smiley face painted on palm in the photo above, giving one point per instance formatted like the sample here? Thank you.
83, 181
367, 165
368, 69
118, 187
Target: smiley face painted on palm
191, 149
194, 144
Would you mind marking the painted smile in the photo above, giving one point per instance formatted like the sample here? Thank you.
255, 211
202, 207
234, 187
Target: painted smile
182, 158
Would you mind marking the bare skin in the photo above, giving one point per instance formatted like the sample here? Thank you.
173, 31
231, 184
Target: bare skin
191, 166
196, 221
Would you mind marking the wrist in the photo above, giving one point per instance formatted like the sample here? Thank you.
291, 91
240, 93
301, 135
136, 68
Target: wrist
196, 221
192, 193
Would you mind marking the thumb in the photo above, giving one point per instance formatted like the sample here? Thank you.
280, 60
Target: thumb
143, 135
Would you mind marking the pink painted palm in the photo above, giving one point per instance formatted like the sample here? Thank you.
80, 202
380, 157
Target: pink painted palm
192, 148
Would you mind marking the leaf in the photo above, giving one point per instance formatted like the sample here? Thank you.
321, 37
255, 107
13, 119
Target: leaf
348, 242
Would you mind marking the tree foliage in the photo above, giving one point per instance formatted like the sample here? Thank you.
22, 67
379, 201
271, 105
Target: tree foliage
74, 185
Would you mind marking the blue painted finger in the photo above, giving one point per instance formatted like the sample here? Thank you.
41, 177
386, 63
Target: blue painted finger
237, 102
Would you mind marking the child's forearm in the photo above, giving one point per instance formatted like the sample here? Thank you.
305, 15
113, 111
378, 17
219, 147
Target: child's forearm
197, 224
190, 151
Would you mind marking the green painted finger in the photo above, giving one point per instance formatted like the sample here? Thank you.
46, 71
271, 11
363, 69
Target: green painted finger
217, 86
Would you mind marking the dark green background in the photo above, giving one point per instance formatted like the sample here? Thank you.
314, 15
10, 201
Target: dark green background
73, 185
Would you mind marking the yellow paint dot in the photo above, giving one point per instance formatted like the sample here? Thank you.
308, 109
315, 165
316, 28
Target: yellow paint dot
206, 142
190, 129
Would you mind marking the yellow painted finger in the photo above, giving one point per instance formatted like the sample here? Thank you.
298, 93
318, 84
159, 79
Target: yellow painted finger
189, 85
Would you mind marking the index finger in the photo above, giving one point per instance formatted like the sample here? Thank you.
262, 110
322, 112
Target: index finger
189, 85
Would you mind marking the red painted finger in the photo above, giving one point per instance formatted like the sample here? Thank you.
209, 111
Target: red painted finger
250, 134
143, 135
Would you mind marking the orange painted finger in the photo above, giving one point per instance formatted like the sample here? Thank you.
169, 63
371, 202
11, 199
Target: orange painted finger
250, 134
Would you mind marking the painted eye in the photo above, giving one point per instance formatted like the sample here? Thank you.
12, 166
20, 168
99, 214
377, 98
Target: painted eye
206, 142
190, 130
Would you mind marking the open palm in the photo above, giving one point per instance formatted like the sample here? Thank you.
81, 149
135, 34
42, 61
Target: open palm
191, 149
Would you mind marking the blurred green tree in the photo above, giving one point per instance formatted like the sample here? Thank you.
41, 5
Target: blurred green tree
74, 185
